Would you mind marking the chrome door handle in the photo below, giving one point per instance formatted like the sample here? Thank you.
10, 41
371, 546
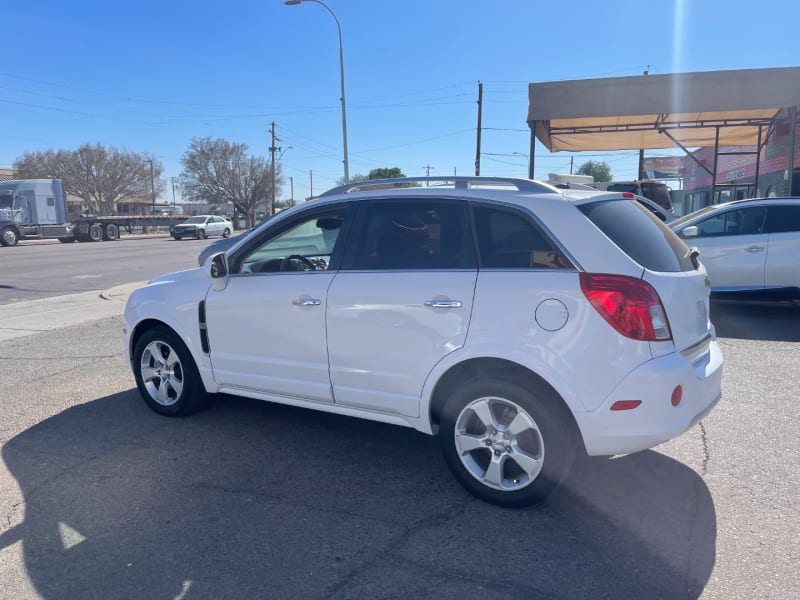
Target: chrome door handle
307, 302
443, 303
755, 249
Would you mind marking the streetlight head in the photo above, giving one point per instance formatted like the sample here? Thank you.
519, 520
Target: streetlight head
292, 2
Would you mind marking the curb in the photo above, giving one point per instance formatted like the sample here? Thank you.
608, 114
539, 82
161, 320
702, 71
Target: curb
121, 292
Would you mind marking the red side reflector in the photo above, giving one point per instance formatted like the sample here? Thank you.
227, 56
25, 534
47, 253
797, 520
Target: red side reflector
625, 404
628, 195
677, 395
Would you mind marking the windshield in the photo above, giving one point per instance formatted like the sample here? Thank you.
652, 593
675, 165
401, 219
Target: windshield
194, 220
697, 213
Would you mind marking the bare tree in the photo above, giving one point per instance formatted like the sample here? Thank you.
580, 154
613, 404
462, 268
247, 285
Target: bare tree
101, 177
218, 171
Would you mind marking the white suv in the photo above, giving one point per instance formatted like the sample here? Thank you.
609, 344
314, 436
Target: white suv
523, 324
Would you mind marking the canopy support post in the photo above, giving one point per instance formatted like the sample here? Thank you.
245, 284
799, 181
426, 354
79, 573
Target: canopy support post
758, 162
792, 146
714, 174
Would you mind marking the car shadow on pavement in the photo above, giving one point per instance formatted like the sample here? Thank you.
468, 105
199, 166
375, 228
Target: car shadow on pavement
756, 320
255, 500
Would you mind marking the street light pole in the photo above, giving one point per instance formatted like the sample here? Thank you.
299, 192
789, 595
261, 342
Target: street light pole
527, 158
341, 81
173, 193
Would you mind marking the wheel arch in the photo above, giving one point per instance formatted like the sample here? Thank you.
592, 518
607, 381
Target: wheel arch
144, 326
494, 367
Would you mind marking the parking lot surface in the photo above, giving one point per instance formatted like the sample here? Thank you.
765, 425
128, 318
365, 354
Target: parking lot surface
100, 498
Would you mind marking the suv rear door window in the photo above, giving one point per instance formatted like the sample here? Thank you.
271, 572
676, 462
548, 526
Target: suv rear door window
508, 239
412, 234
640, 235
781, 219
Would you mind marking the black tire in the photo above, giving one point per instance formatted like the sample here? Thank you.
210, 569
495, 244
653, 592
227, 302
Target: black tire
111, 232
148, 355
552, 443
177, 238
96, 232
9, 236
226, 233
201, 234
67, 240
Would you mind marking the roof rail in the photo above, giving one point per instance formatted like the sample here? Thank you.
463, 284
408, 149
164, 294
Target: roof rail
457, 181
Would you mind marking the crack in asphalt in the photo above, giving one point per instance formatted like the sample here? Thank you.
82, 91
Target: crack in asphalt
706, 452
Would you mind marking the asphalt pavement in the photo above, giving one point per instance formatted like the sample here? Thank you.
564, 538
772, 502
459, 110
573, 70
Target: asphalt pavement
100, 498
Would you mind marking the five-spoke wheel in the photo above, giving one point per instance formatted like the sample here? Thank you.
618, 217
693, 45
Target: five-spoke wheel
499, 443
162, 373
507, 441
166, 373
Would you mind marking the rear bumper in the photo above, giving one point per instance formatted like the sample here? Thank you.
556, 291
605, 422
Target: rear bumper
655, 420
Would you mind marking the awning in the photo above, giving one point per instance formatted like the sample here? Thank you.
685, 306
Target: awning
730, 108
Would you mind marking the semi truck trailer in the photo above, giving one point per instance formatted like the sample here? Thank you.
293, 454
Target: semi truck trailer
37, 209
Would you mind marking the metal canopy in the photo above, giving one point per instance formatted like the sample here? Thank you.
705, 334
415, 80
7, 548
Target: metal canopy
731, 108
631, 113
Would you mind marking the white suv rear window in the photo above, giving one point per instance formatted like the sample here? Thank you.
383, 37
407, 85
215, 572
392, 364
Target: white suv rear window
640, 235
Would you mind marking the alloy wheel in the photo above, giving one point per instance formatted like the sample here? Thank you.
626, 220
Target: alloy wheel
162, 373
499, 443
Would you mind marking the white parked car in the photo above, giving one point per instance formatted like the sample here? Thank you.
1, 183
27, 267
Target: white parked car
201, 227
748, 245
522, 324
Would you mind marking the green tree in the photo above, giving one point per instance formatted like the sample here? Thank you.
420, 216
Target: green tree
599, 170
101, 177
218, 172
386, 173
353, 179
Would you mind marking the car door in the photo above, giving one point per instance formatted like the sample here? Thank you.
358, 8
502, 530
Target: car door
733, 248
267, 327
782, 268
217, 224
401, 301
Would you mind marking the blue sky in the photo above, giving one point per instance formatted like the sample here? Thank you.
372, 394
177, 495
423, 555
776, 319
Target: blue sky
149, 76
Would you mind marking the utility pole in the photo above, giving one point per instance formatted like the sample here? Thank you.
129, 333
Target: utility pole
172, 179
480, 114
291, 183
272, 150
427, 172
571, 163
311, 183
152, 181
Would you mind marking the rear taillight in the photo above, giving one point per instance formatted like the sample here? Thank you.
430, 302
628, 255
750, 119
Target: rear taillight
630, 305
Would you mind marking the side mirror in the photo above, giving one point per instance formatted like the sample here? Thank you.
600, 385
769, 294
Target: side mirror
690, 232
216, 268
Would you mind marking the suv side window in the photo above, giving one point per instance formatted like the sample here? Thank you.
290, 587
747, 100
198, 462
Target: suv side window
781, 219
412, 234
508, 239
306, 244
742, 221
